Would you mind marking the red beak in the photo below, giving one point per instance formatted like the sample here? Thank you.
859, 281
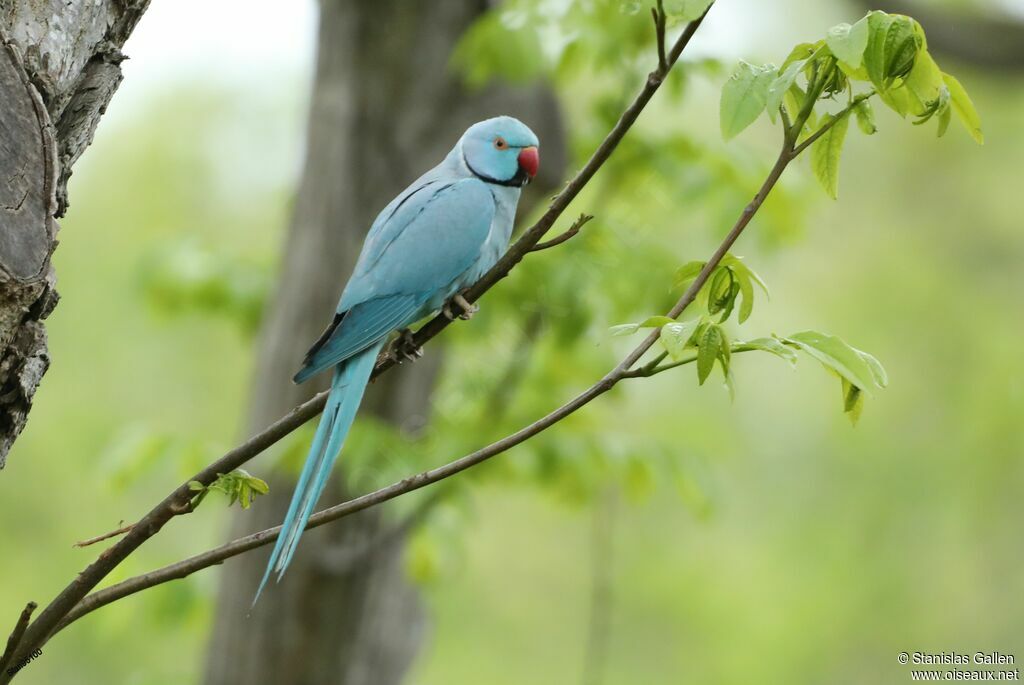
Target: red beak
529, 160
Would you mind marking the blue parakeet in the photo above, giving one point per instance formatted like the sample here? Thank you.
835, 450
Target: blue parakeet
435, 239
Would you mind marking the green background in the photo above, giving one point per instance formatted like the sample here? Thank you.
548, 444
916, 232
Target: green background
759, 540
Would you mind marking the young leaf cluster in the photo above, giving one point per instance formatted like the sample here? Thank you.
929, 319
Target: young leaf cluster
882, 54
704, 341
239, 485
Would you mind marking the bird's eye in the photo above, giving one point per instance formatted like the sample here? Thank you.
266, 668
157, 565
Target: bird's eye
500, 143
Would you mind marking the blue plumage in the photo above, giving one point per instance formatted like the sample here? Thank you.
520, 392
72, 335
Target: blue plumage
436, 238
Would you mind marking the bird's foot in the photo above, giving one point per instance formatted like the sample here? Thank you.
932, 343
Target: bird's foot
468, 309
405, 347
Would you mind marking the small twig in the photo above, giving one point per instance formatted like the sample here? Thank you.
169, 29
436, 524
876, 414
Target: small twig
654, 367
561, 238
659, 31
15, 638
786, 123
106, 536
825, 129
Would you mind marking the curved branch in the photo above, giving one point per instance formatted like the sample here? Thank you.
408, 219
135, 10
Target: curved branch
15, 638
621, 372
562, 237
40, 630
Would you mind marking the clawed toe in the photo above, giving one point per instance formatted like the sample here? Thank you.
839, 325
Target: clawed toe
468, 308
405, 348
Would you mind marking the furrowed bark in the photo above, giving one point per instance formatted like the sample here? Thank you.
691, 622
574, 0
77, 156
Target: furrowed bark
59, 67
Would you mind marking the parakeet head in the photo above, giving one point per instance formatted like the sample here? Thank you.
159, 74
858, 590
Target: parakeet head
501, 150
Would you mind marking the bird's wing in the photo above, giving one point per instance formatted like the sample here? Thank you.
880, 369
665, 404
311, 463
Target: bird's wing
424, 242
357, 329
423, 246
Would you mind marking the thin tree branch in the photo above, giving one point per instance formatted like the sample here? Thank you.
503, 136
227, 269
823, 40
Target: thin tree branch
106, 536
567, 235
654, 368
348, 558
188, 566
784, 113
659, 31
14, 641
176, 503
561, 201
845, 112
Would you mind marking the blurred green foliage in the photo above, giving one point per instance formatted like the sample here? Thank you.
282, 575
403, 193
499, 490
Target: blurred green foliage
761, 539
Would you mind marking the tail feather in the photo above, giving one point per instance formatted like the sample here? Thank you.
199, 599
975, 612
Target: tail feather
347, 386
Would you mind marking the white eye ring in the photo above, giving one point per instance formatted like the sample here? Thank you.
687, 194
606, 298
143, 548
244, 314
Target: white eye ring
500, 144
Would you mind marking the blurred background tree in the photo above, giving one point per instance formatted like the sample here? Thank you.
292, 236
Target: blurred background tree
384, 108
803, 551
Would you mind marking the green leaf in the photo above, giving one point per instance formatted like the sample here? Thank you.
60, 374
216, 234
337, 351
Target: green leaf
631, 328
686, 10
676, 338
720, 291
826, 151
902, 44
874, 55
624, 329
865, 115
780, 86
746, 287
944, 117
835, 354
853, 401
724, 352
878, 373
244, 495
964, 108
848, 43
196, 486
901, 101
655, 322
745, 277
239, 486
773, 346
925, 80
744, 97
686, 274
708, 350
894, 42
799, 54
730, 384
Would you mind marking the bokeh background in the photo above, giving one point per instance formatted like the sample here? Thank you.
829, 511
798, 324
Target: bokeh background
664, 535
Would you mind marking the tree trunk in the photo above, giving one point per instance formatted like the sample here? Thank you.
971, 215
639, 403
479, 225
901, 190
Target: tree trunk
59, 67
384, 108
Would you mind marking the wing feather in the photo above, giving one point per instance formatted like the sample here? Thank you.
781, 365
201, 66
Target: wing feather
424, 242
362, 326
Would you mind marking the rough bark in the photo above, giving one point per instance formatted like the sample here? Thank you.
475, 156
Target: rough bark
385, 107
59, 67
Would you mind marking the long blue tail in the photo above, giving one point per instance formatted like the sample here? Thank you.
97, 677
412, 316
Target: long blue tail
350, 379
